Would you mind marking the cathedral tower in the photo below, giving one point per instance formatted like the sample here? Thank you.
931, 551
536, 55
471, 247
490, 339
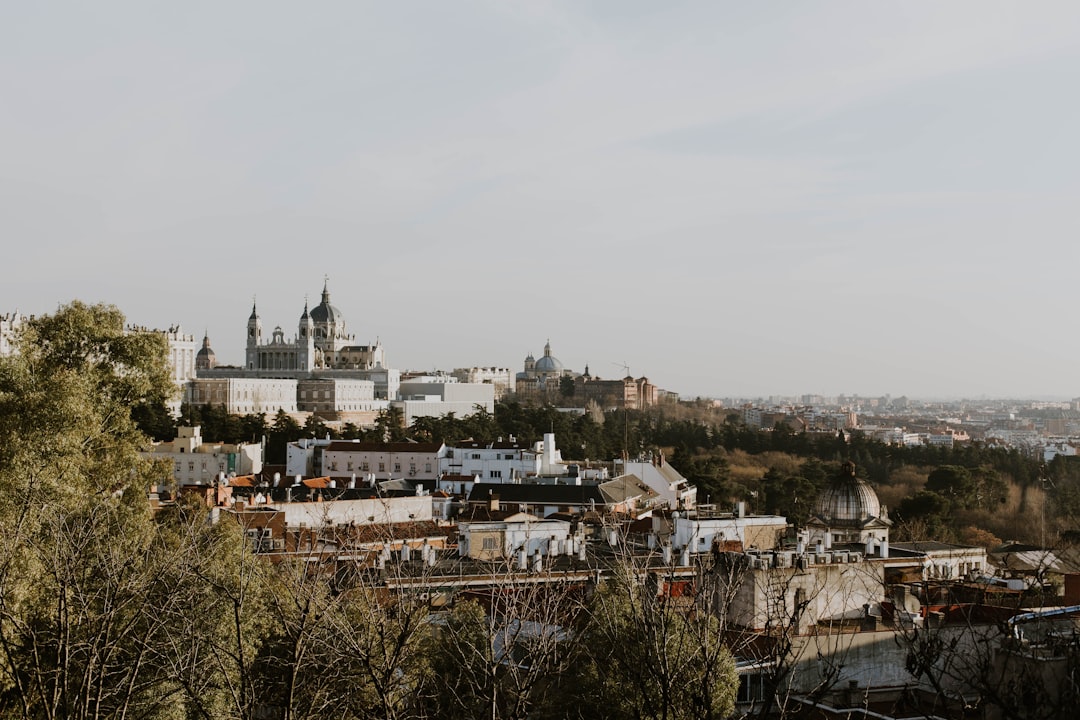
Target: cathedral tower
254, 338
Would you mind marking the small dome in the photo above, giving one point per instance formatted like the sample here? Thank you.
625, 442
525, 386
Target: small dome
848, 499
205, 358
548, 363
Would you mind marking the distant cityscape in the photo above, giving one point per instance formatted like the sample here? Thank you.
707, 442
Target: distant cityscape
820, 596
321, 370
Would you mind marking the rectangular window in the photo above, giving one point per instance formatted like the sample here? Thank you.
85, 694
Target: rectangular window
495, 473
382, 467
364, 466
427, 467
476, 456
489, 543
350, 465
397, 467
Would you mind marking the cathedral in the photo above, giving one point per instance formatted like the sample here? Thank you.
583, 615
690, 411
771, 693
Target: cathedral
321, 343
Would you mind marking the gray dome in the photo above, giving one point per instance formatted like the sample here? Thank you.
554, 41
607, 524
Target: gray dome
324, 312
549, 364
848, 500
205, 358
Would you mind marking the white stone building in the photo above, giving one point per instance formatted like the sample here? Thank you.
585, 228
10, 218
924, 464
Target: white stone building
195, 462
360, 511
502, 379
336, 395
425, 399
415, 462
244, 395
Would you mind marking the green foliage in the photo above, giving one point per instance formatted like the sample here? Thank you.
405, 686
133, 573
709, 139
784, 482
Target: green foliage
78, 558
647, 658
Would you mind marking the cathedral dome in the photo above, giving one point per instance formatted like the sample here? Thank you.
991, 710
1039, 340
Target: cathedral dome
205, 358
848, 499
549, 364
324, 312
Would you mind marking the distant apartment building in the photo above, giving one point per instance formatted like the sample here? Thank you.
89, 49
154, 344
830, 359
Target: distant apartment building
505, 461
419, 398
415, 462
195, 462
501, 379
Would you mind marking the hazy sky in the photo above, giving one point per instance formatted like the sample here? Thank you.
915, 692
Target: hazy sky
733, 198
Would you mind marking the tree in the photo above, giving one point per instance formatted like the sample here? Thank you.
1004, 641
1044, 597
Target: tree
506, 652
283, 431
650, 654
76, 558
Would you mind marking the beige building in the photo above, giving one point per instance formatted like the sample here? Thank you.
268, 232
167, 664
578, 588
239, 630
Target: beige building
501, 379
410, 461
195, 462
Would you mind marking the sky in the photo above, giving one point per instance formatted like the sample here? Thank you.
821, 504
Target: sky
731, 198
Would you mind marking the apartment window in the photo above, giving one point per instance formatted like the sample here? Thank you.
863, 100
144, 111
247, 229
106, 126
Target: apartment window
364, 466
350, 465
489, 543
191, 467
177, 467
333, 465
382, 467
427, 467
412, 467
495, 473
397, 467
